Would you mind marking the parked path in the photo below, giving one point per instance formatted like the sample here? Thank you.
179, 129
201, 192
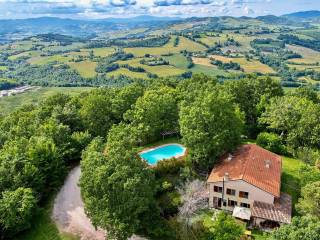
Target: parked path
68, 210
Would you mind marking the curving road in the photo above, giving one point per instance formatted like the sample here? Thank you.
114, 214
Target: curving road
68, 210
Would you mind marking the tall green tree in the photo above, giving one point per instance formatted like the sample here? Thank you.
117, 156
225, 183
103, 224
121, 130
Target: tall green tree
96, 113
251, 94
118, 190
155, 111
224, 227
34, 163
188, 90
306, 92
297, 119
210, 126
16, 210
301, 228
124, 99
309, 203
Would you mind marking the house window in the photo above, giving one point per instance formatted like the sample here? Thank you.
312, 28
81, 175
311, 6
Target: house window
243, 194
231, 192
232, 203
217, 189
224, 203
245, 205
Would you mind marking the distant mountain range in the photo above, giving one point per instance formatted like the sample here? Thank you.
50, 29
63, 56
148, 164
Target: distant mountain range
12, 29
306, 14
142, 18
17, 28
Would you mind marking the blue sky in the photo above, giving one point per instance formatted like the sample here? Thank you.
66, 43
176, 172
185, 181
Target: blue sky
125, 8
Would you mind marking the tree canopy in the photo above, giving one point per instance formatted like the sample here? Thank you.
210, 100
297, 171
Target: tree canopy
121, 192
210, 126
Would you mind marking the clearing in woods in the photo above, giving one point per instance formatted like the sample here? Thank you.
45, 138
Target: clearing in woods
86, 69
184, 44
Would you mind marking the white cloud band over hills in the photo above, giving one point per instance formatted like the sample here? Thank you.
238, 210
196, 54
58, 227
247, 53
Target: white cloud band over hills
126, 8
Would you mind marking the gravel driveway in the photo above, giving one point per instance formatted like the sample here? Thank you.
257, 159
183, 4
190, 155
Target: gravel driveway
68, 210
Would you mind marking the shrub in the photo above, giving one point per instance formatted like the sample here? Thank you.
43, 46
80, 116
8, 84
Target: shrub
272, 142
168, 166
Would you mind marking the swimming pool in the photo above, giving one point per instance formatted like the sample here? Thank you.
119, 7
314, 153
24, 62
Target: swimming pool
152, 156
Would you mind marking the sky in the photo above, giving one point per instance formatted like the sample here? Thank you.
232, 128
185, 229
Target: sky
92, 9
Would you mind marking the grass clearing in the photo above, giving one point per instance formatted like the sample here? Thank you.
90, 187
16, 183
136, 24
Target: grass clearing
251, 66
24, 54
177, 60
202, 61
43, 228
87, 69
82, 53
304, 67
184, 44
126, 72
102, 52
39, 60
211, 40
209, 70
290, 180
9, 104
71, 47
309, 56
161, 70
164, 70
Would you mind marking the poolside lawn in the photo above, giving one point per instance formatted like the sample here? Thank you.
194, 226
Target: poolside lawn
161, 142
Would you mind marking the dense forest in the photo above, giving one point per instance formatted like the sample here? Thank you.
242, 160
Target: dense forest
39, 143
215, 82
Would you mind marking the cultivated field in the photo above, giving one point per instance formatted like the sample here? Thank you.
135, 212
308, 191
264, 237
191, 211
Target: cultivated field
86, 69
250, 66
309, 56
126, 72
161, 71
184, 44
9, 104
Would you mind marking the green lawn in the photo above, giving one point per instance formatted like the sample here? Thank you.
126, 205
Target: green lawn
290, 182
184, 44
177, 60
9, 104
86, 69
103, 52
44, 228
126, 72
161, 142
161, 70
40, 60
211, 71
258, 235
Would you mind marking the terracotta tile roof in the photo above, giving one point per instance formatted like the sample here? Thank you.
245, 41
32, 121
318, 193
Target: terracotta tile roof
280, 211
249, 163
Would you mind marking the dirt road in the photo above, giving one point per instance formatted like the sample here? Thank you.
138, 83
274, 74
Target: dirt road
68, 210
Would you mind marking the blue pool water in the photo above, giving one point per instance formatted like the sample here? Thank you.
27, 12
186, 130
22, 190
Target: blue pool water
165, 152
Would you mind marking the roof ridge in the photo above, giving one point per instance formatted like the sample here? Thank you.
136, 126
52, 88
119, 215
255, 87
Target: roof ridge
245, 166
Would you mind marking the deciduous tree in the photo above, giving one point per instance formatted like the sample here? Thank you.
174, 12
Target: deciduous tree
210, 126
118, 190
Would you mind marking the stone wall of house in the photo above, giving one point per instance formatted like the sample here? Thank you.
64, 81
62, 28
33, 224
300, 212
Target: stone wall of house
255, 194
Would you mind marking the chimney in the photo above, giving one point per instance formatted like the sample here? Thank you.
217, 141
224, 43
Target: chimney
226, 176
268, 163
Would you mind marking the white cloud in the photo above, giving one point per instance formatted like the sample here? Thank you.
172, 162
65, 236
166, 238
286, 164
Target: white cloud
248, 11
186, 8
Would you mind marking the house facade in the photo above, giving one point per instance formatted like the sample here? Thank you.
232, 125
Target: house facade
247, 183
